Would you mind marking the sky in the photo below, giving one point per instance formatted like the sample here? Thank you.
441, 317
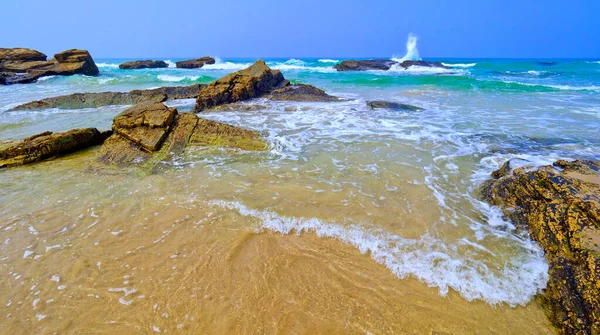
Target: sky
306, 28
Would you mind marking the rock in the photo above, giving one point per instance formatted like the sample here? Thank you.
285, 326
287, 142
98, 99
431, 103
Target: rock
195, 63
301, 93
392, 105
408, 63
148, 133
252, 82
365, 65
560, 207
19, 66
47, 145
92, 100
143, 64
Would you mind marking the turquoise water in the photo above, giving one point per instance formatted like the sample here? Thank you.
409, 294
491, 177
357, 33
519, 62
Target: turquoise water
411, 177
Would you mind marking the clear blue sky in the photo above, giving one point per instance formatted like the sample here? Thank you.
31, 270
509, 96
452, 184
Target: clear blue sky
305, 28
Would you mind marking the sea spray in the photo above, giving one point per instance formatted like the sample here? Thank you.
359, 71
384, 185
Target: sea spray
412, 52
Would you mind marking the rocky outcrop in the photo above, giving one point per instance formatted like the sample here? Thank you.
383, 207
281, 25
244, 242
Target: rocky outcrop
365, 65
148, 133
143, 64
249, 83
392, 105
19, 65
383, 64
560, 207
195, 63
48, 144
92, 100
301, 93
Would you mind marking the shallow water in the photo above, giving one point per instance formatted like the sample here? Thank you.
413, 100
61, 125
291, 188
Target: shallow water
355, 221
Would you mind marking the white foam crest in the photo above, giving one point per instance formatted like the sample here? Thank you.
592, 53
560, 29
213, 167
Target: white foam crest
412, 53
422, 70
557, 87
328, 60
46, 78
220, 65
112, 65
460, 65
536, 73
169, 78
171, 63
429, 259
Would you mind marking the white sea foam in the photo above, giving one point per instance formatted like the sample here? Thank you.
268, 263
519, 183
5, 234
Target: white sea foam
460, 65
220, 65
111, 65
412, 53
46, 78
421, 70
429, 259
171, 63
299, 65
169, 78
536, 73
557, 87
329, 60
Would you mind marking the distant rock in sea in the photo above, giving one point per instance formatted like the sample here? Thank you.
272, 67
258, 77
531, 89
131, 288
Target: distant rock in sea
143, 64
195, 63
21, 65
383, 64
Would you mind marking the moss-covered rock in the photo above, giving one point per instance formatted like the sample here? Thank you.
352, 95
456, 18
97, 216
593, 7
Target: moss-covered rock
560, 207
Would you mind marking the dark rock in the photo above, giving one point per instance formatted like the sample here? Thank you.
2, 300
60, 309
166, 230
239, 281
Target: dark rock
195, 63
365, 65
147, 133
92, 100
561, 211
408, 63
252, 82
143, 64
47, 145
19, 66
301, 93
392, 105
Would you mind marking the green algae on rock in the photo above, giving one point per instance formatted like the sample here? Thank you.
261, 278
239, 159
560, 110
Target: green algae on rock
48, 144
560, 207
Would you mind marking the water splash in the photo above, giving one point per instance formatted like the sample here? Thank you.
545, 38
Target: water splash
412, 52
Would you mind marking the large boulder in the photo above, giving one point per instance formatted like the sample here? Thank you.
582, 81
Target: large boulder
365, 65
195, 63
249, 83
98, 99
47, 145
560, 207
143, 64
148, 133
20, 65
301, 93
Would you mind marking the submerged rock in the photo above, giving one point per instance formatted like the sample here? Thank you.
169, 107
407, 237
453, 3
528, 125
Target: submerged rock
143, 64
392, 105
20, 65
195, 63
252, 82
301, 93
91, 100
365, 65
47, 145
560, 207
148, 133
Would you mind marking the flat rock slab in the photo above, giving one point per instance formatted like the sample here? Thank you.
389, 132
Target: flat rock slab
194, 63
143, 64
376, 104
301, 93
47, 145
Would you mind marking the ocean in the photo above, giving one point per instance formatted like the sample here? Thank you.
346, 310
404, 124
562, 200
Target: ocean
355, 220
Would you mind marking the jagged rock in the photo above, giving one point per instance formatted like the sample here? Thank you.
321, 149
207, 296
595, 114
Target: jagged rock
47, 145
91, 100
560, 207
365, 65
148, 133
195, 63
19, 66
252, 82
392, 105
143, 64
301, 93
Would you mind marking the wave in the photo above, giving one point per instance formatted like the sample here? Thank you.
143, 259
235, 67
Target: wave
430, 260
111, 65
171, 63
328, 60
556, 87
220, 65
412, 52
169, 78
424, 70
296, 64
45, 78
460, 65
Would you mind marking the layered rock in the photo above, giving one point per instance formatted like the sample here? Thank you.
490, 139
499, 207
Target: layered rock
20, 65
91, 100
148, 133
249, 83
143, 64
195, 63
560, 207
383, 64
392, 105
48, 144
301, 93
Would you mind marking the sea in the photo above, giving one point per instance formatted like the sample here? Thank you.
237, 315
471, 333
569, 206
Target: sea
353, 221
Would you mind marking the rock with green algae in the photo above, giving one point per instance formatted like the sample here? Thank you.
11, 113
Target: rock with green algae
148, 133
47, 145
560, 207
